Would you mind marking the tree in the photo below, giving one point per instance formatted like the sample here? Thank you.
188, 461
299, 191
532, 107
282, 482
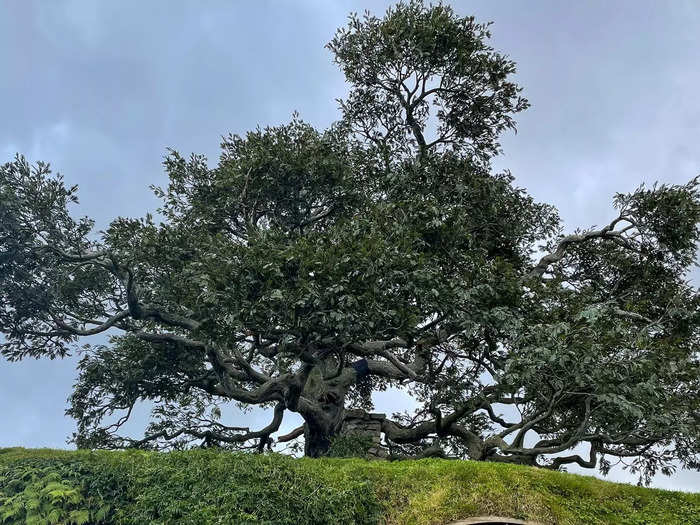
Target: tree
311, 268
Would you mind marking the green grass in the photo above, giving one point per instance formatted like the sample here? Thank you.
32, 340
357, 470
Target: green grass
204, 486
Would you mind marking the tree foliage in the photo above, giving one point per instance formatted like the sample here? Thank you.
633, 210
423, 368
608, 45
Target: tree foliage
309, 268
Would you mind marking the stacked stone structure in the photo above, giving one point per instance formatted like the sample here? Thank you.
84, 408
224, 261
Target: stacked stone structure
359, 422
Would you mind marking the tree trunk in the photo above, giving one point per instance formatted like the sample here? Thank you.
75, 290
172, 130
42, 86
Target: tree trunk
321, 427
325, 421
317, 441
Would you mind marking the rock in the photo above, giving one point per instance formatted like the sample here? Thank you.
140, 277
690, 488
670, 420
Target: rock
367, 424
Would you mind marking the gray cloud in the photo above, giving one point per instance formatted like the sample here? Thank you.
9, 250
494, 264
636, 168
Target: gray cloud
101, 89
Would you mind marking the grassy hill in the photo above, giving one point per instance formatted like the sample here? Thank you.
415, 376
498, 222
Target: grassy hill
205, 486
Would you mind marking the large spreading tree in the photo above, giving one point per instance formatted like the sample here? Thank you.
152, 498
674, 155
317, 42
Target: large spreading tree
311, 268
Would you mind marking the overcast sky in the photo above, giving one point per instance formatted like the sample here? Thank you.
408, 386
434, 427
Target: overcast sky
101, 89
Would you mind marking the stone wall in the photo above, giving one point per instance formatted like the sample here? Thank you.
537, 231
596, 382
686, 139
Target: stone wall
364, 423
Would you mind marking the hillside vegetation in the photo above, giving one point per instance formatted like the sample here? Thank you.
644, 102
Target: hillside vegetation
206, 486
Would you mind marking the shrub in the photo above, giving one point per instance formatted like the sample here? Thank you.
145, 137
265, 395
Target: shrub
350, 445
47, 492
216, 487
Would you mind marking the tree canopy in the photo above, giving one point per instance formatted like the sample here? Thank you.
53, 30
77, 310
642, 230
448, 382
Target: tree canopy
310, 268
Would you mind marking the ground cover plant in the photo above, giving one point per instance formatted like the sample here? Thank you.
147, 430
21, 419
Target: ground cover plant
214, 486
310, 268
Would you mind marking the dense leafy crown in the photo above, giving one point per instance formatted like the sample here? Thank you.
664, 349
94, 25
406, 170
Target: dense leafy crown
310, 268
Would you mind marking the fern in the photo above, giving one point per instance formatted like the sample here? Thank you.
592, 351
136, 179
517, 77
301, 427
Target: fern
54, 516
39, 496
79, 517
62, 493
102, 513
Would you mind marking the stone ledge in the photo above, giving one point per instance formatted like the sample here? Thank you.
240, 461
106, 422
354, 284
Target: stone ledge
361, 414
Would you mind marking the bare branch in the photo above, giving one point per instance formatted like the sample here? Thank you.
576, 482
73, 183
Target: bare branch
556, 256
112, 321
297, 432
198, 433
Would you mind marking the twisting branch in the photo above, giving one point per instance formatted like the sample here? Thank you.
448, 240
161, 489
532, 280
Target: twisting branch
170, 338
576, 436
297, 432
73, 257
560, 252
253, 374
74, 330
575, 458
493, 417
209, 434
